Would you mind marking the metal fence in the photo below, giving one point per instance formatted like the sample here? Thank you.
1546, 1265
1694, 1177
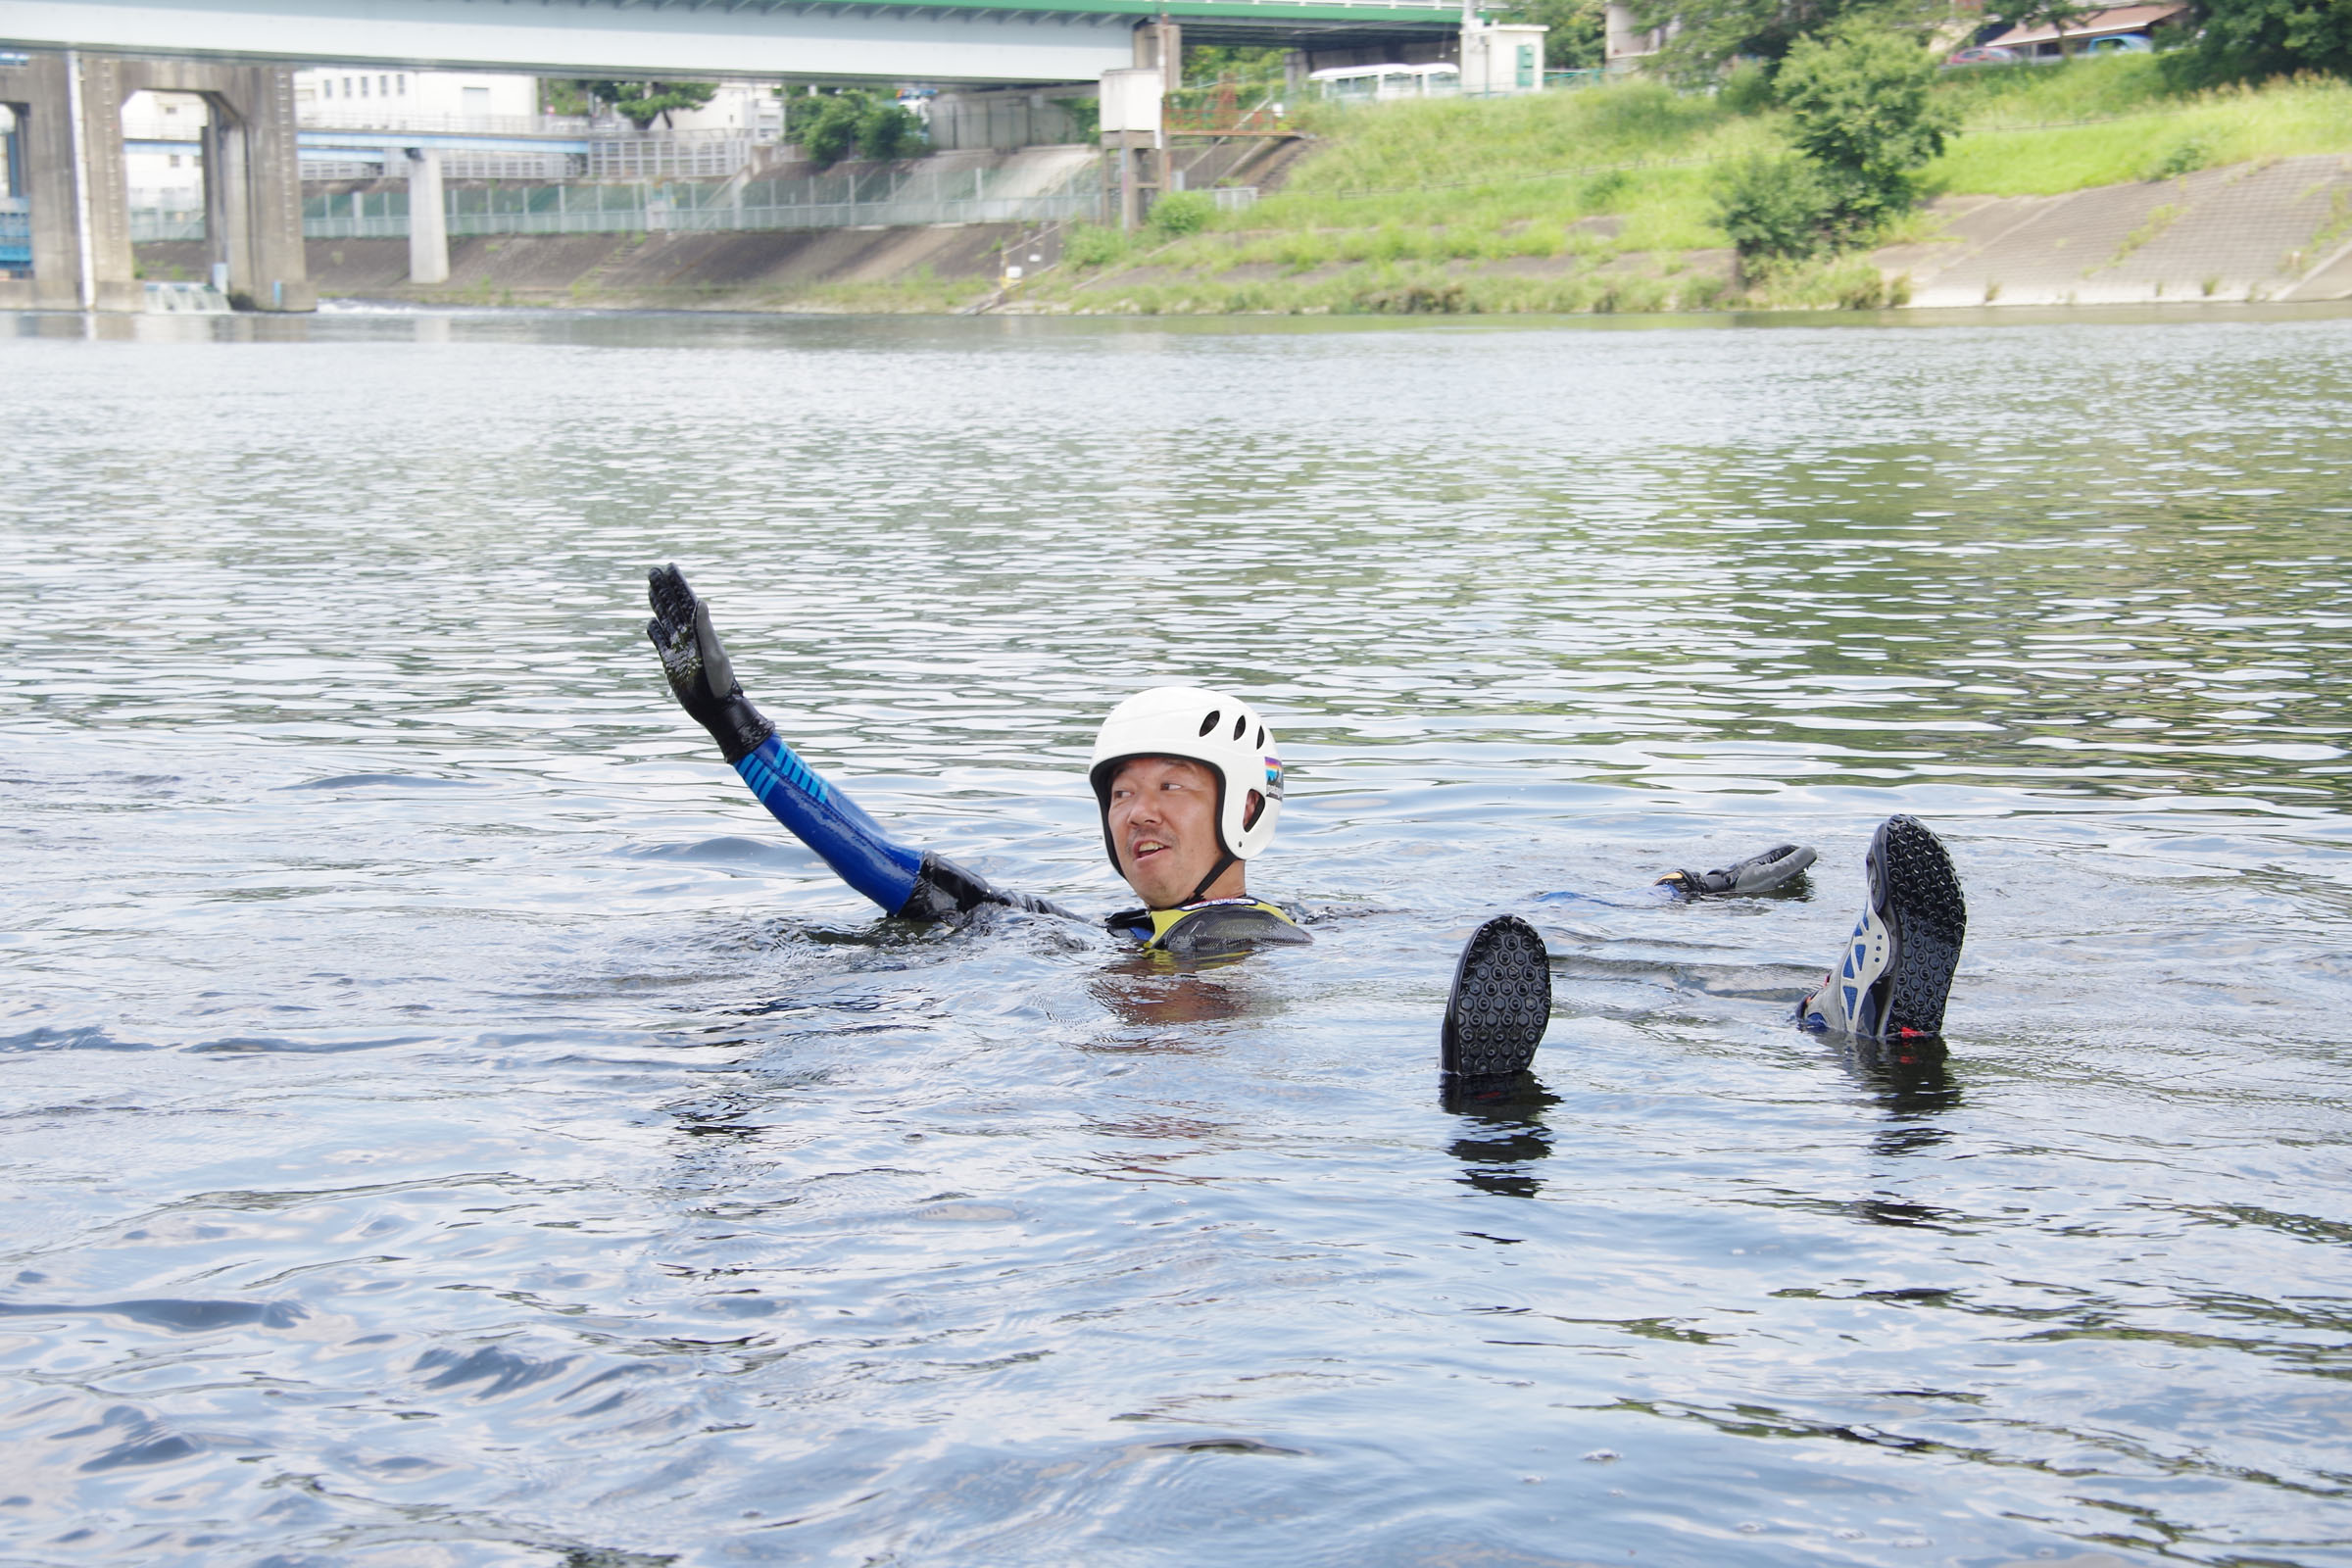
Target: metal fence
678, 155
339, 115
886, 197
151, 223
1227, 109
1003, 120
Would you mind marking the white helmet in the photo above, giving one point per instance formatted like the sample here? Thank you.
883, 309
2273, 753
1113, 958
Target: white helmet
1221, 733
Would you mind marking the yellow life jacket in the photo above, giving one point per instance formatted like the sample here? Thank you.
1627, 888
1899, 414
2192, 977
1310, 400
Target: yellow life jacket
1215, 925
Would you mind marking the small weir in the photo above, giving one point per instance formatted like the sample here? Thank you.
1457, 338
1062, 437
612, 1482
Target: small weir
185, 299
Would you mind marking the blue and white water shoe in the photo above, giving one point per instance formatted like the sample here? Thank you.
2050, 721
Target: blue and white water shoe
1897, 967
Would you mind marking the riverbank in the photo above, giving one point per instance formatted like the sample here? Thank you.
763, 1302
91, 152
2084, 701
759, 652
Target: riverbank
2279, 232
2085, 184
2079, 183
2247, 233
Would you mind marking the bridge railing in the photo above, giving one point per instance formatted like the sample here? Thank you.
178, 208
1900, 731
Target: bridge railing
358, 116
710, 156
1051, 191
888, 197
1227, 109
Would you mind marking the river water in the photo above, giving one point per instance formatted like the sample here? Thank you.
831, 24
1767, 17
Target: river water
444, 1121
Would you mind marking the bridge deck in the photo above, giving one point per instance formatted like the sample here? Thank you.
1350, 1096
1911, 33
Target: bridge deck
820, 41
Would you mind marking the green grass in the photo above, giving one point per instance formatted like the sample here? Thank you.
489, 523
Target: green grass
918, 293
2012, 148
1598, 199
1484, 168
1397, 190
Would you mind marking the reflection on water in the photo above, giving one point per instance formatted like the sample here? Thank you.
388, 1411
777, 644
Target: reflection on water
1505, 1134
446, 1123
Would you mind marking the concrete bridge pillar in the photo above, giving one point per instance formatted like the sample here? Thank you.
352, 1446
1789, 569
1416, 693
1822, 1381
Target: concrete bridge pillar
109, 278
68, 106
1160, 44
35, 93
428, 220
1134, 134
1142, 143
252, 176
70, 122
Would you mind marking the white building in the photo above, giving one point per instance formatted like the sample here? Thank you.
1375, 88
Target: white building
1501, 58
348, 98
160, 158
740, 108
1626, 44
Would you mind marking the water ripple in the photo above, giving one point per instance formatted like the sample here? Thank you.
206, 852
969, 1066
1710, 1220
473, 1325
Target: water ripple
448, 1123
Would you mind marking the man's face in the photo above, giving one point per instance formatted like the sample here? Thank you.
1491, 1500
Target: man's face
1163, 826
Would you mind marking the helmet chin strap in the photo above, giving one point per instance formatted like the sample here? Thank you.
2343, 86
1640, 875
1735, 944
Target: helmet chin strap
1215, 872
1226, 859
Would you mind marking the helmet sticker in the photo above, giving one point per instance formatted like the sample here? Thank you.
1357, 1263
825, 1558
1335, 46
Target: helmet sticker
1274, 777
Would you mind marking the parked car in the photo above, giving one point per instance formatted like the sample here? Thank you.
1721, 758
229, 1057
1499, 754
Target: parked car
2123, 43
1983, 54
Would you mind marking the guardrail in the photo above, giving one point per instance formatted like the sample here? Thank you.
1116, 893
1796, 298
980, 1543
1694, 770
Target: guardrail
800, 214
884, 198
316, 117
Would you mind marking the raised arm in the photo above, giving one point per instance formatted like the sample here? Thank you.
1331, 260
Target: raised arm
905, 882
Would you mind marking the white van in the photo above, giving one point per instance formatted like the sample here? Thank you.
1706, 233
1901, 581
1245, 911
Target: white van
1380, 83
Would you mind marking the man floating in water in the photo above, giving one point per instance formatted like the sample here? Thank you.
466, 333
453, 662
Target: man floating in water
1188, 783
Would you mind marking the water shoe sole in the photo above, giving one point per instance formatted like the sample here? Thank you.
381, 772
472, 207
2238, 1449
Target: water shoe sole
1501, 1001
1917, 895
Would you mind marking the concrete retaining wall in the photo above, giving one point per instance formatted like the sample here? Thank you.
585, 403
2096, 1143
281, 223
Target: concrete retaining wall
727, 271
2276, 230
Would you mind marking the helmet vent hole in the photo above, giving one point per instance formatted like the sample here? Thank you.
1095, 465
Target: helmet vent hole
1261, 737
1210, 722
1241, 725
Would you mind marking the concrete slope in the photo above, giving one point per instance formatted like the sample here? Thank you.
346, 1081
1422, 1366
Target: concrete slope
739, 271
2274, 230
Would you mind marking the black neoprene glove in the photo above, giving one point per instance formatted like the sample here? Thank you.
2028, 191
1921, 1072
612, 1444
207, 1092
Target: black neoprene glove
696, 662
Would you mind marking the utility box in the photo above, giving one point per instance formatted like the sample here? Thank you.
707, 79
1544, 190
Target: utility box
1131, 98
1500, 58
1131, 135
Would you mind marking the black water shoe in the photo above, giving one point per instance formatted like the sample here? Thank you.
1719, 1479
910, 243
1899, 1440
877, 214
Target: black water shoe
1500, 1004
1897, 967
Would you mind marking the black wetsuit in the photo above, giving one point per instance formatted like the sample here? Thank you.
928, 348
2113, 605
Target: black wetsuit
916, 885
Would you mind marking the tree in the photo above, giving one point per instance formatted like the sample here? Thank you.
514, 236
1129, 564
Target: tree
1864, 111
559, 97
1774, 208
1207, 64
2248, 40
887, 129
854, 118
641, 103
1709, 34
1578, 33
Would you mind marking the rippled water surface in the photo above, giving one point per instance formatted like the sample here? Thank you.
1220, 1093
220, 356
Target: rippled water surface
442, 1120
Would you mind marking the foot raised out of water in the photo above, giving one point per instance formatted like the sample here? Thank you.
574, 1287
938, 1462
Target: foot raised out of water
1501, 1001
1896, 971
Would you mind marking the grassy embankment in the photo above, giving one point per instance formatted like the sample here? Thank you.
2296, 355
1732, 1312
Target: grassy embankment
1601, 200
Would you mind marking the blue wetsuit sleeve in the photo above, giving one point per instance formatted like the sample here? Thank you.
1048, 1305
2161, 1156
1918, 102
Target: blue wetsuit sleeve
832, 824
